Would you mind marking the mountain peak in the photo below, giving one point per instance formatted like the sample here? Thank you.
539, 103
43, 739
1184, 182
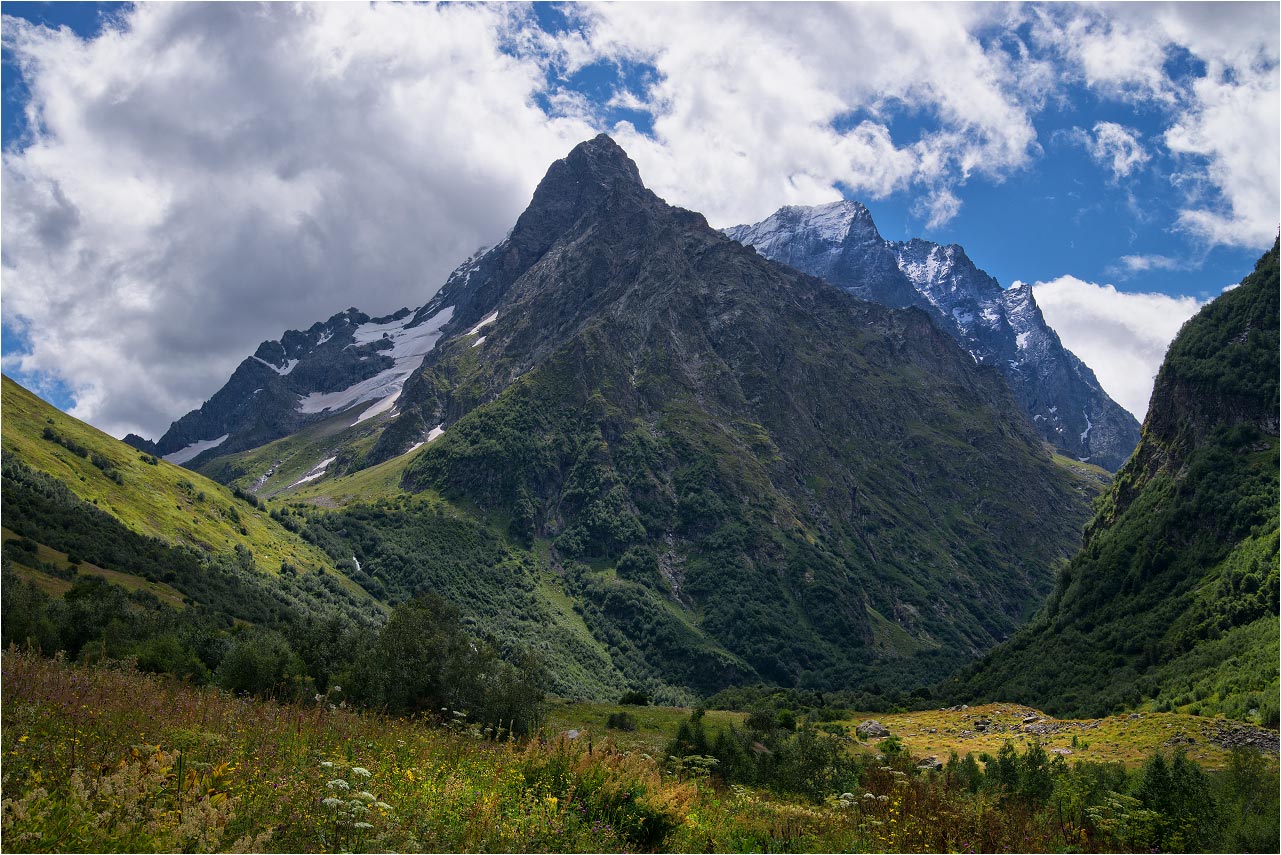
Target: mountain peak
830, 224
592, 172
602, 159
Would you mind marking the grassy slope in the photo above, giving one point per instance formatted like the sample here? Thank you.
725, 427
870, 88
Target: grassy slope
1172, 601
1129, 739
162, 500
57, 586
162, 766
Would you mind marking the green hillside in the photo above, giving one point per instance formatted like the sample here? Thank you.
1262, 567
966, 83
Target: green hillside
1172, 602
154, 499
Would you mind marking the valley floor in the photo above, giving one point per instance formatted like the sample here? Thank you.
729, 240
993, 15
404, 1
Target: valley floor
109, 759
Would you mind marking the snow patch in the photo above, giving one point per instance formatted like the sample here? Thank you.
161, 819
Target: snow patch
436, 432
484, 322
478, 342
182, 455
414, 447
356, 561
381, 407
1085, 435
963, 317
316, 471
290, 364
409, 346
1022, 339
324, 337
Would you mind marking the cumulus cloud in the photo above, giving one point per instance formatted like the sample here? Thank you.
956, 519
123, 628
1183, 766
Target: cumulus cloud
1224, 107
1113, 146
756, 106
206, 175
1121, 336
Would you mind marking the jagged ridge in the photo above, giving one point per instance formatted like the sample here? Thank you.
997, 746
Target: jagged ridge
1005, 329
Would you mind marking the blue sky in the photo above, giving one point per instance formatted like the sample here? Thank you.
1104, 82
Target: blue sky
205, 176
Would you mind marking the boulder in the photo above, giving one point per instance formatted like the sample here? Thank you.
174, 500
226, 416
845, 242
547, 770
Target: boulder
872, 729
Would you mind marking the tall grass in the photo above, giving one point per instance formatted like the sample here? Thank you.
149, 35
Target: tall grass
109, 759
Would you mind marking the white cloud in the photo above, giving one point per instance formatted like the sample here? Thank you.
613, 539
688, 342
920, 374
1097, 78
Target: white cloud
1122, 337
756, 106
1144, 263
1224, 125
1113, 146
210, 174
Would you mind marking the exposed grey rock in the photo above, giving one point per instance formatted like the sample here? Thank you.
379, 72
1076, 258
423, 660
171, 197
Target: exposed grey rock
872, 729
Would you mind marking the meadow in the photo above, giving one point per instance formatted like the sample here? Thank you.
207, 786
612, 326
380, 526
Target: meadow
109, 759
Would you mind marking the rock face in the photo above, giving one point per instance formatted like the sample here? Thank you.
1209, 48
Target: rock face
351, 362
998, 327
872, 729
1176, 585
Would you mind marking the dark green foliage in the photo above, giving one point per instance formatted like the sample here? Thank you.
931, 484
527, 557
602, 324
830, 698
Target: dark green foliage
423, 662
261, 662
634, 698
66, 442
414, 546
1174, 596
1179, 792
802, 762
621, 721
1248, 800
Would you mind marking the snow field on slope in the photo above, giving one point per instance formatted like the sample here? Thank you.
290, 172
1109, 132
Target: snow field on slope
409, 346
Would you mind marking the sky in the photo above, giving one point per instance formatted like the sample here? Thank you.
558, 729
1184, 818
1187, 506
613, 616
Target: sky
183, 181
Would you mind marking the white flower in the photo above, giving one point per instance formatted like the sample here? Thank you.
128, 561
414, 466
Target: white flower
361, 771
331, 802
382, 805
366, 796
325, 764
339, 784
363, 825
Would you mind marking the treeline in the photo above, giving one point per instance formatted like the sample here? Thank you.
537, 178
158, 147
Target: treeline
1169, 804
421, 661
297, 635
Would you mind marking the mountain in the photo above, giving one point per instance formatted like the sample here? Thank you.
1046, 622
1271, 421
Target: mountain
741, 472
1002, 328
732, 471
348, 361
71, 489
1173, 599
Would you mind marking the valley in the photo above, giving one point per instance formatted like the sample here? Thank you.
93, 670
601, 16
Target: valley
616, 543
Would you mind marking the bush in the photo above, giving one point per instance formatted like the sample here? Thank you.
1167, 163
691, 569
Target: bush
621, 721
261, 662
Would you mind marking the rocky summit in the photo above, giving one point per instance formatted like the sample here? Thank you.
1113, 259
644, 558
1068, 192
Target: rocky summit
1002, 328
